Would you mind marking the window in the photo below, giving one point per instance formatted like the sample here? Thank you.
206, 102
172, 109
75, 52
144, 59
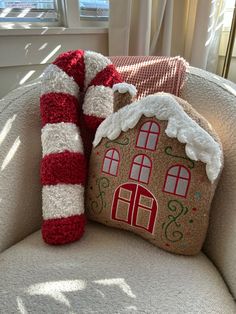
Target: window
68, 13
148, 135
228, 14
111, 162
141, 169
97, 9
177, 180
32, 11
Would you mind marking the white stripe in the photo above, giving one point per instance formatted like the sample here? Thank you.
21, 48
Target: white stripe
98, 101
94, 63
57, 81
62, 200
60, 137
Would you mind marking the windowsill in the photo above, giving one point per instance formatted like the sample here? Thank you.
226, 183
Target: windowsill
39, 31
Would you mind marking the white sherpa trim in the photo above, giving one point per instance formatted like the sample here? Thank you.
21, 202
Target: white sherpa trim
94, 63
62, 200
60, 137
56, 80
98, 101
199, 144
124, 88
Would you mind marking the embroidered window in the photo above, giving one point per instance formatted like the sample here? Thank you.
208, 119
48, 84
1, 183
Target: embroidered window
177, 180
141, 169
111, 162
148, 135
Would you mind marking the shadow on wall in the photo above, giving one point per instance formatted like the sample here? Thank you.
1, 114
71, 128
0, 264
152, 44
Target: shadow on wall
19, 75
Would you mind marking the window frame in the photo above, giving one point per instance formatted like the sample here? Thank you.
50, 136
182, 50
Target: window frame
141, 166
111, 160
178, 178
69, 18
30, 24
148, 134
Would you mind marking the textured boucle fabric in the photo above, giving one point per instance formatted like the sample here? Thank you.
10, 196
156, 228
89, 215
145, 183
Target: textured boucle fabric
152, 74
76, 94
214, 98
108, 271
58, 107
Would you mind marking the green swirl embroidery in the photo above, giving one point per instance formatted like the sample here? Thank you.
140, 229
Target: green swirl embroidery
176, 235
122, 143
98, 205
168, 151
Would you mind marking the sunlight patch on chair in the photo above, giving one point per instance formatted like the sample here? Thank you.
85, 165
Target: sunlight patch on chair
21, 306
26, 77
131, 308
11, 153
55, 289
52, 53
6, 129
120, 282
230, 89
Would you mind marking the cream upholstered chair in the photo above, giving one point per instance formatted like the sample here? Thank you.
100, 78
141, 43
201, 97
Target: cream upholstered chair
111, 271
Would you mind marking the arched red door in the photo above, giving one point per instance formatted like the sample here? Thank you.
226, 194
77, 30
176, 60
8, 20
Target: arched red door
135, 205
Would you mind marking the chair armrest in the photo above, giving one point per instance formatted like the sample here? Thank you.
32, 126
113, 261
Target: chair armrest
20, 152
215, 99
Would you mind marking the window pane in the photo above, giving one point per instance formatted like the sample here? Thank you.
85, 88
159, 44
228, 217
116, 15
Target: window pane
106, 164
114, 166
144, 176
146, 126
184, 173
154, 128
28, 11
96, 9
135, 172
174, 171
152, 140
142, 139
109, 153
138, 159
182, 187
170, 184
116, 155
146, 162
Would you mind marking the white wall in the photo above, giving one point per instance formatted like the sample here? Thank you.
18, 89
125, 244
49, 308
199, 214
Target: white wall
25, 53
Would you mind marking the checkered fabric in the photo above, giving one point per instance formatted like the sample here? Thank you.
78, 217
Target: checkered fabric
152, 74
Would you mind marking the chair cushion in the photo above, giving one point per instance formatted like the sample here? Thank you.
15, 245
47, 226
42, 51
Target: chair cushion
108, 271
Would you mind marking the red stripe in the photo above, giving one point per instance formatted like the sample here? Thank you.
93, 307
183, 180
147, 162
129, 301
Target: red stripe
72, 62
66, 167
92, 122
107, 77
58, 107
63, 230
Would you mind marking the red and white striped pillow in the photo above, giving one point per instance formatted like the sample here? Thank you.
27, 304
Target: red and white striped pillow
76, 97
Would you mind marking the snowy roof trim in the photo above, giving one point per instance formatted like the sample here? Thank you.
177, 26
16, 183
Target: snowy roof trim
200, 145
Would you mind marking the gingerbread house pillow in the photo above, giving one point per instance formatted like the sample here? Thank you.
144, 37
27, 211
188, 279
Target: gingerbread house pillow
153, 170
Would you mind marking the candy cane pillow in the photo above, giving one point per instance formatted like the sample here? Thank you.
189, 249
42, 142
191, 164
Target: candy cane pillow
76, 97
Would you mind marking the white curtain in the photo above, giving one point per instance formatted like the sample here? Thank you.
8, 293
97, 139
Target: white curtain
189, 28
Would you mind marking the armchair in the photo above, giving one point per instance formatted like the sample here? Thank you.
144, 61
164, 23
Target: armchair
111, 271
